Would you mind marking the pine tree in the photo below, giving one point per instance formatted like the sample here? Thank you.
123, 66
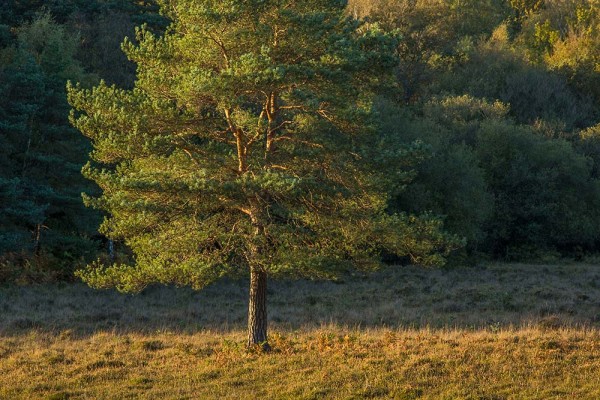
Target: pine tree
21, 93
40, 154
249, 144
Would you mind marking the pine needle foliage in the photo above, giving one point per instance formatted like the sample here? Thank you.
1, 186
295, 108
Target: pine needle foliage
249, 142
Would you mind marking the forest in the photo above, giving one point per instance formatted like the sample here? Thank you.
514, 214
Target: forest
501, 98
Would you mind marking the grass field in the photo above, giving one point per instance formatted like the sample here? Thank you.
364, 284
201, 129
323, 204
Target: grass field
495, 332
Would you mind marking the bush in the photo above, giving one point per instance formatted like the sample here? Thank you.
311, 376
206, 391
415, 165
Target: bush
449, 182
545, 195
511, 192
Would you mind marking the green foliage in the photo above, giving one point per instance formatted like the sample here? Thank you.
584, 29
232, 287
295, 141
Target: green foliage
510, 191
461, 69
588, 144
450, 181
100, 52
545, 195
434, 34
525, 8
17, 12
41, 155
577, 54
495, 70
248, 142
533, 180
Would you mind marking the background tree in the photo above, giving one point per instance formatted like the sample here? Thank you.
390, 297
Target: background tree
41, 155
248, 143
450, 182
434, 33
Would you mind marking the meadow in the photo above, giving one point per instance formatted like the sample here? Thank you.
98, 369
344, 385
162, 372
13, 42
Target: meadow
499, 331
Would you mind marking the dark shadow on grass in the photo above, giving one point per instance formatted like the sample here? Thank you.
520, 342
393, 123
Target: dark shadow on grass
489, 297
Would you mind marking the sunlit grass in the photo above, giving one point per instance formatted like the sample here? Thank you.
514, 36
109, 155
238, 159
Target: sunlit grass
330, 362
503, 332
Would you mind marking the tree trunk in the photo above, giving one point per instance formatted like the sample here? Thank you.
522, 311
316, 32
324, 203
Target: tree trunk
111, 250
257, 310
37, 247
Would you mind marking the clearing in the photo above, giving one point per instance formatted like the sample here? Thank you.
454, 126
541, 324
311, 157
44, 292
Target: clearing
490, 332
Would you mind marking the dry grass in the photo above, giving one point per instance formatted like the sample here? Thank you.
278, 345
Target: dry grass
501, 332
322, 363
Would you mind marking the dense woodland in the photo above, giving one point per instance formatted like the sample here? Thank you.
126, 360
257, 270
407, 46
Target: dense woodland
497, 102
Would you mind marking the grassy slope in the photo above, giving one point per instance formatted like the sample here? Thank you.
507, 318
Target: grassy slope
506, 331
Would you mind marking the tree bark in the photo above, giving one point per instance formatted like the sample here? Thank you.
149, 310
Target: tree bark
257, 310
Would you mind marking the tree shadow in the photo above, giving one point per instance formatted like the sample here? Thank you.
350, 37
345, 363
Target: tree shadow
400, 297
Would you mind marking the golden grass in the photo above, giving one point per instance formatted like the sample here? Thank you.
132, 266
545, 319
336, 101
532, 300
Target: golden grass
500, 332
327, 362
